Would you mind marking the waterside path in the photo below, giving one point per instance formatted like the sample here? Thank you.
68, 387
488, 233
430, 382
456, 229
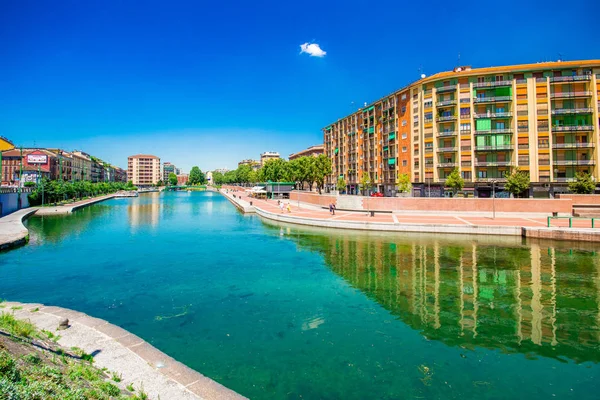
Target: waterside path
122, 352
533, 225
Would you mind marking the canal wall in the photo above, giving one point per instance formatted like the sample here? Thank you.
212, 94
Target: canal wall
563, 206
138, 362
240, 204
9, 202
12, 231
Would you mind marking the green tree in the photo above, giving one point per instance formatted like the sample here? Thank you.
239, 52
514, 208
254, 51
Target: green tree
217, 178
517, 182
173, 179
243, 173
253, 176
196, 176
583, 184
341, 184
229, 177
404, 184
454, 181
321, 167
365, 182
275, 170
160, 183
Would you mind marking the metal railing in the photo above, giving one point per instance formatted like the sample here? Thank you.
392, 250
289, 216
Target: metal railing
446, 88
492, 84
447, 164
493, 163
446, 103
573, 78
445, 118
572, 128
572, 145
491, 179
446, 149
574, 162
492, 99
570, 94
448, 133
503, 114
494, 148
562, 111
493, 131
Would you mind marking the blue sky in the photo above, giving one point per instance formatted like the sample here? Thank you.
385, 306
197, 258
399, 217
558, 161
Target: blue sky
210, 83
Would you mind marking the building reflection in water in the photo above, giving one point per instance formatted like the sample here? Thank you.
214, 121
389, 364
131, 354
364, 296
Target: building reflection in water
497, 293
145, 210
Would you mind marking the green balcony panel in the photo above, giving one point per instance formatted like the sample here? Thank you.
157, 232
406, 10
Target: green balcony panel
371, 129
385, 148
336, 150
484, 124
392, 161
392, 136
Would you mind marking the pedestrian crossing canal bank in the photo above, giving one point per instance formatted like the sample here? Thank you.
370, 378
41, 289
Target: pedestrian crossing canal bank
275, 311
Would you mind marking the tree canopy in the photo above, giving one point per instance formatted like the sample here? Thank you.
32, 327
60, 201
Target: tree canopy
172, 179
196, 176
517, 182
454, 181
583, 184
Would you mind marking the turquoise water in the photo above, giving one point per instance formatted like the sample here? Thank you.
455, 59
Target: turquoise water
281, 312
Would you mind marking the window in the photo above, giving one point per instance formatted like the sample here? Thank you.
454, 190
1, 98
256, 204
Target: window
404, 149
466, 175
543, 125
403, 122
428, 104
403, 96
404, 136
499, 78
482, 174
542, 143
428, 116
465, 112
403, 109
480, 79
465, 127
404, 163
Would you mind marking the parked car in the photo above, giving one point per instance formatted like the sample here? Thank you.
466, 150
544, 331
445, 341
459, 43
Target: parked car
377, 194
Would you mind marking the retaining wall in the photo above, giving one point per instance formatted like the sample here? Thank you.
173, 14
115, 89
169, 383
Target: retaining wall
9, 202
580, 198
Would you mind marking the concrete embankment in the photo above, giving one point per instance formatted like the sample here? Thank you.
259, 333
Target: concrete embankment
12, 231
120, 351
242, 205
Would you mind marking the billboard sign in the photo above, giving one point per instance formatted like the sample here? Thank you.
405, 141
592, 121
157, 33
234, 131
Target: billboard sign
37, 159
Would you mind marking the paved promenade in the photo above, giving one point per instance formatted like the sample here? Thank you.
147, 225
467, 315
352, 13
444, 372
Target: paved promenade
532, 225
124, 353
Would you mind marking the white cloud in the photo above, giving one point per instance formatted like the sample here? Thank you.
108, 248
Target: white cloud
313, 49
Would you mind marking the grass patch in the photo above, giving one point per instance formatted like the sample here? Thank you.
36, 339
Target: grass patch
117, 377
130, 387
35, 309
82, 354
16, 327
16, 308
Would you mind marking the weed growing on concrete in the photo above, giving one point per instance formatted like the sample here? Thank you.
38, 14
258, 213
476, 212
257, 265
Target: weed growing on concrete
15, 308
35, 309
82, 354
117, 377
130, 387
16, 327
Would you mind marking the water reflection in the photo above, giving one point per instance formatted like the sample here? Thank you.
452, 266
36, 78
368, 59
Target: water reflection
145, 210
537, 298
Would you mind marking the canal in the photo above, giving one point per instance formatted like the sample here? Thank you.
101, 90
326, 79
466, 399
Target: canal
276, 311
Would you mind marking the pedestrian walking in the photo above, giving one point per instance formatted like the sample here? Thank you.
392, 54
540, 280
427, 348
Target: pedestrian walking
289, 208
333, 208
330, 208
281, 206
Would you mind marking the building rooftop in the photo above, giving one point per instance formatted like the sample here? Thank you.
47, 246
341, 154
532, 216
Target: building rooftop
143, 156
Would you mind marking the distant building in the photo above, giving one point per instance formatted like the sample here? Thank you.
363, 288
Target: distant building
120, 175
143, 169
268, 155
312, 151
223, 170
82, 166
168, 169
252, 163
182, 179
209, 177
28, 165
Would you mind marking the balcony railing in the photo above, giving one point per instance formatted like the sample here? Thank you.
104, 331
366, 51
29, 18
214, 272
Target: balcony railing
504, 114
492, 84
494, 148
561, 95
465, 163
574, 162
445, 118
446, 149
497, 99
572, 128
449, 133
447, 164
562, 111
521, 81
446, 88
494, 131
493, 163
446, 103
491, 179
564, 179
572, 145
575, 78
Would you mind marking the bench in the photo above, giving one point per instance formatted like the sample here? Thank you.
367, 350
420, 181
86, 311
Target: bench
371, 212
554, 216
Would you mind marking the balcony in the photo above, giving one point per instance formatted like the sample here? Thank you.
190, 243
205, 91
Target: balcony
575, 162
445, 103
495, 99
446, 149
446, 133
447, 164
491, 180
503, 114
494, 131
492, 84
572, 145
564, 179
502, 147
446, 118
447, 88
563, 111
580, 128
576, 78
563, 95
493, 163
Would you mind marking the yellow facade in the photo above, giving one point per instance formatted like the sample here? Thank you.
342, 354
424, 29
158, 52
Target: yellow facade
6, 144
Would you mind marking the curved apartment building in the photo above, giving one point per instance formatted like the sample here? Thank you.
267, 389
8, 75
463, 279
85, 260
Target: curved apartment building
542, 118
